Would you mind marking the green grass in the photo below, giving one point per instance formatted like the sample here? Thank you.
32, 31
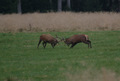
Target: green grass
20, 59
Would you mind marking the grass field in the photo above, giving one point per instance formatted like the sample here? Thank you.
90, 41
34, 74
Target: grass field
20, 60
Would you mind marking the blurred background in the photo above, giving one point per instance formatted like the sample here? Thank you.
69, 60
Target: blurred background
30, 6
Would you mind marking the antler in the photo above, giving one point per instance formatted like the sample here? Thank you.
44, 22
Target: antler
61, 39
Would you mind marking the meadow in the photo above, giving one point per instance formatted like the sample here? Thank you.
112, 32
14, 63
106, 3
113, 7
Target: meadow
20, 60
60, 22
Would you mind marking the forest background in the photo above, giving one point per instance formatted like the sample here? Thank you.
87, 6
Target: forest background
29, 6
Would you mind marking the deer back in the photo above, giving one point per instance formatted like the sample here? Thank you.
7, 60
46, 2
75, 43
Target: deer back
46, 37
76, 39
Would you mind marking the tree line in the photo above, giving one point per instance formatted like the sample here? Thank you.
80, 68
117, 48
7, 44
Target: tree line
29, 6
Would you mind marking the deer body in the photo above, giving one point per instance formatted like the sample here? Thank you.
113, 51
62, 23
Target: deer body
77, 39
47, 38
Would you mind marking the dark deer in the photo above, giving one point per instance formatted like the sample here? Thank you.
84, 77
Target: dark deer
47, 38
78, 39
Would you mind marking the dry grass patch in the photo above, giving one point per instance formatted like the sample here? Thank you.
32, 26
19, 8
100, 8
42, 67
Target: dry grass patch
64, 21
92, 75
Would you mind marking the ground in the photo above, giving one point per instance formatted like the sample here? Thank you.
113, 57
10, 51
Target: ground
20, 60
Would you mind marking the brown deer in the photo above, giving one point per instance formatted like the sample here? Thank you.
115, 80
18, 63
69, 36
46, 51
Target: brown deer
47, 38
78, 39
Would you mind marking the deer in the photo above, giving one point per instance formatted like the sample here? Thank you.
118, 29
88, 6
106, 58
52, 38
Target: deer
47, 38
75, 39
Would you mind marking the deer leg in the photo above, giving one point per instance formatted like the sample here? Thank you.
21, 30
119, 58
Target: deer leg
86, 42
90, 46
73, 45
52, 45
44, 44
39, 43
89, 43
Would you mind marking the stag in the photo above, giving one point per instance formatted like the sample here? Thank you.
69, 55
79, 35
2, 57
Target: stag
78, 39
47, 38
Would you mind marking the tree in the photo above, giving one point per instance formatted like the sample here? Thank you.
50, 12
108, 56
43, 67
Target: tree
8, 6
118, 5
51, 3
68, 4
59, 5
19, 7
14, 6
